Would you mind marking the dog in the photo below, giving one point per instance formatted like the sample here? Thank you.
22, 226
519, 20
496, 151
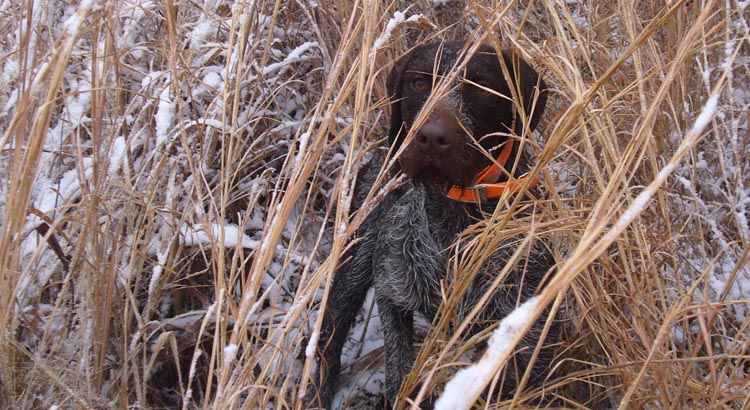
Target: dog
401, 246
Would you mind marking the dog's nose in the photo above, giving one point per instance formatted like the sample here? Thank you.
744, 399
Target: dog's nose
433, 138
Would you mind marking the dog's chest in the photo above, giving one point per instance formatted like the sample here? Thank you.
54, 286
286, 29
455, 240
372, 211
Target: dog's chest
414, 235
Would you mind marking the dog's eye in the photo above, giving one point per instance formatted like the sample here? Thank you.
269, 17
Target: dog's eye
419, 83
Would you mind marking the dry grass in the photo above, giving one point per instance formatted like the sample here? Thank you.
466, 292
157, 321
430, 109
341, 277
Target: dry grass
137, 137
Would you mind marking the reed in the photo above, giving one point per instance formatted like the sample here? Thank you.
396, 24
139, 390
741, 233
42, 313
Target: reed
177, 181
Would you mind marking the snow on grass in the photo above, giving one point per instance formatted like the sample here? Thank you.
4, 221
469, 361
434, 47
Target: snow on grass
312, 344
194, 236
398, 18
717, 201
161, 260
468, 382
707, 113
164, 116
304, 138
64, 191
117, 156
295, 56
213, 80
230, 353
717, 194
202, 31
731, 277
135, 179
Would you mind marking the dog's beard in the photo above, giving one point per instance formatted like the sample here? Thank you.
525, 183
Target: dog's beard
432, 177
439, 176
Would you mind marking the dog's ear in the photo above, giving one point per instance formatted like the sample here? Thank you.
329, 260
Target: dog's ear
393, 85
529, 87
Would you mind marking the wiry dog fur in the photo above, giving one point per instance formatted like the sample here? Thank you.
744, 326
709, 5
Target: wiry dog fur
401, 249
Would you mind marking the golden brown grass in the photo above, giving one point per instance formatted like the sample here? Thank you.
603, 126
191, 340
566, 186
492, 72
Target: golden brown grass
105, 303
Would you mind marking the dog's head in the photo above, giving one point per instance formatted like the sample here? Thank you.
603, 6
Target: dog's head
473, 116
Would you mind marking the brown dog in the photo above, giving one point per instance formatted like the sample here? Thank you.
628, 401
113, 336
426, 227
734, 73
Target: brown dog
460, 158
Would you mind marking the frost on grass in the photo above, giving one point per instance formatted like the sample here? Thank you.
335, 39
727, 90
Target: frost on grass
230, 353
233, 236
714, 192
164, 116
398, 18
460, 391
130, 195
238, 86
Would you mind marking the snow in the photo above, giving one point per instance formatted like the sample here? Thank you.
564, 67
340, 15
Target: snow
164, 116
161, 260
230, 353
171, 196
294, 57
193, 236
707, 113
207, 122
196, 354
641, 201
117, 156
468, 382
304, 138
67, 189
312, 345
201, 33
398, 18
213, 80
736, 289
73, 24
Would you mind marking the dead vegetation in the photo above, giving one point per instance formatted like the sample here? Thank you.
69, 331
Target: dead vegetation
176, 182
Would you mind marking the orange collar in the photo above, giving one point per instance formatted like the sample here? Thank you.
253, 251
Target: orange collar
483, 188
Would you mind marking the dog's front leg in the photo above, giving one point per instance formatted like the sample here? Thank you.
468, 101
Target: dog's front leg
398, 328
348, 291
